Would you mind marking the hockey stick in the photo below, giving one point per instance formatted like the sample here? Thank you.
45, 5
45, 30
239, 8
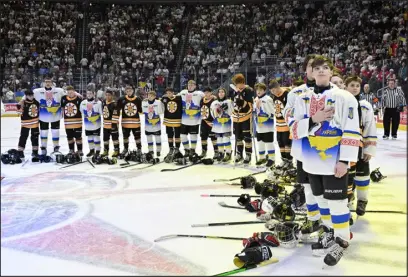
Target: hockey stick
237, 178
74, 164
253, 138
195, 236
224, 195
126, 163
227, 223
222, 204
273, 260
180, 168
150, 165
90, 163
130, 165
383, 212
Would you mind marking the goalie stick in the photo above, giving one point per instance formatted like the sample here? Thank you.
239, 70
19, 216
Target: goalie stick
233, 179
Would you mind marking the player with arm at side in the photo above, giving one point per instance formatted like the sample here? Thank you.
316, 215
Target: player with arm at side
207, 123
110, 128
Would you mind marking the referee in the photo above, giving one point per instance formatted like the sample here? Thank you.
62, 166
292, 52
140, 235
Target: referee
393, 101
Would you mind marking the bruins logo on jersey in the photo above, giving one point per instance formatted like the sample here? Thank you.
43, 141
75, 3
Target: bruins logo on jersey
130, 109
70, 109
172, 107
106, 112
32, 110
278, 108
205, 112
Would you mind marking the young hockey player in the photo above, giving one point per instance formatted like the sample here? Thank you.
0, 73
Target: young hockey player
29, 108
207, 124
91, 109
190, 120
110, 128
72, 119
152, 109
129, 106
173, 107
264, 111
369, 143
221, 110
337, 79
242, 117
312, 222
328, 117
50, 113
279, 95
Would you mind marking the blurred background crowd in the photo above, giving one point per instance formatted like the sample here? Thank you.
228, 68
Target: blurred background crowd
99, 45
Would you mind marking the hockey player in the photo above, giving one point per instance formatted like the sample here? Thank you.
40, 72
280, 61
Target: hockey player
207, 124
242, 118
110, 128
152, 109
279, 95
337, 79
50, 113
29, 108
330, 146
173, 107
72, 119
91, 109
264, 111
369, 143
129, 106
312, 222
190, 120
221, 110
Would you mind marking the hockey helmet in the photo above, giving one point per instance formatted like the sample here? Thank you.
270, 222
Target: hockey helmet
286, 233
283, 212
14, 157
181, 161
248, 182
376, 175
72, 158
45, 159
297, 196
194, 158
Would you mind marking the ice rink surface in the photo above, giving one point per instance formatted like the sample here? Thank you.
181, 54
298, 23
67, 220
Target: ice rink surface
103, 221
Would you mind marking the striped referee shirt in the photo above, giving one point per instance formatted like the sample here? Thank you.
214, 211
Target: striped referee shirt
393, 98
367, 96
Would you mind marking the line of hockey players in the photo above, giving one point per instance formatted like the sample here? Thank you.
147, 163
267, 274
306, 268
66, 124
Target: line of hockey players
333, 139
329, 133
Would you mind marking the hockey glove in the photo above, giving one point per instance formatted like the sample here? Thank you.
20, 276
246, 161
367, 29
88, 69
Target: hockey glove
252, 256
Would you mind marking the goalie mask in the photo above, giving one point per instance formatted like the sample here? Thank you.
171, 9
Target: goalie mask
376, 175
286, 232
248, 182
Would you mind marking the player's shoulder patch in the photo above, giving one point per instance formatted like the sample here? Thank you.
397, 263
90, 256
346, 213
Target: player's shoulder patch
351, 113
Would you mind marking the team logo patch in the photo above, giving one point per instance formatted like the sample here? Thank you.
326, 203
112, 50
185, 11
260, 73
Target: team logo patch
351, 113
130, 109
172, 107
70, 109
105, 112
32, 110
205, 112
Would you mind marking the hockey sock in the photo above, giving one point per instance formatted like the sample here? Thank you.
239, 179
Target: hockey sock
324, 210
149, 142
126, 143
340, 215
170, 142
55, 137
44, 138
79, 144
362, 184
240, 146
261, 150
313, 212
184, 140
270, 148
193, 141
227, 144
158, 143
91, 142
71, 144
97, 142
214, 144
248, 145
204, 145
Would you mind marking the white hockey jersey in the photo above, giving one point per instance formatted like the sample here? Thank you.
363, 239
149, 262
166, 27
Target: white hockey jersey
92, 113
369, 130
191, 114
152, 112
264, 120
50, 103
326, 143
222, 118
2, 108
